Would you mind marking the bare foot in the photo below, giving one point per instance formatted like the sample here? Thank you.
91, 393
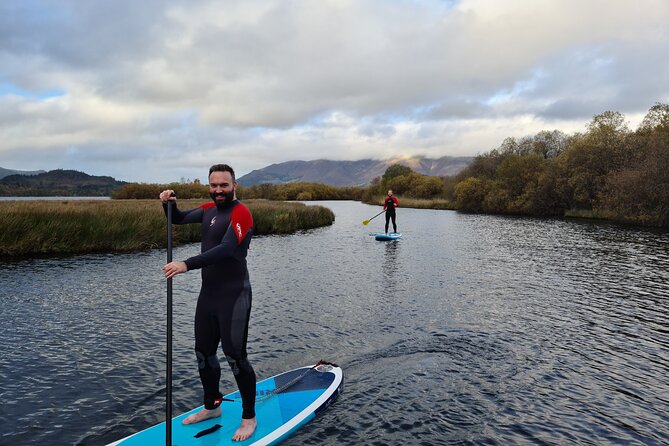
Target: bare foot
202, 415
245, 430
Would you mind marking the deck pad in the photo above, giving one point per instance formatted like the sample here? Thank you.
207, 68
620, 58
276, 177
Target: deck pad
302, 394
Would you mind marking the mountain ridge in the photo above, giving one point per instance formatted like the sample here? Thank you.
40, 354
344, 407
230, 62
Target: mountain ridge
58, 182
7, 172
349, 173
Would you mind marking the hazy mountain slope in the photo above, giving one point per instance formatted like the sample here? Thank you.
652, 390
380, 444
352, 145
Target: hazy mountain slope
7, 172
349, 173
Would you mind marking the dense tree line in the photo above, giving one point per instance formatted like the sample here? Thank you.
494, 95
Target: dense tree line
278, 192
148, 191
609, 171
406, 183
299, 192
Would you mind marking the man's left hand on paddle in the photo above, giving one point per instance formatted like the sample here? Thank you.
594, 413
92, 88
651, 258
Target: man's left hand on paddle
174, 268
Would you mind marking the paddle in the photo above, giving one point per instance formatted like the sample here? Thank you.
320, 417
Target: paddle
366, 222
168, 378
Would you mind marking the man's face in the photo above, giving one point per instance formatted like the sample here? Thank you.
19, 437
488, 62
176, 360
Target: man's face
390, 193
221, 187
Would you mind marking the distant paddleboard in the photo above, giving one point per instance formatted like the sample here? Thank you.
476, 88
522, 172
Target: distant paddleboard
284, 403
391, 236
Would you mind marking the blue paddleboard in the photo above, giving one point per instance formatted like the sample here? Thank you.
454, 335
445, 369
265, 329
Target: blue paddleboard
391, 236
284, 403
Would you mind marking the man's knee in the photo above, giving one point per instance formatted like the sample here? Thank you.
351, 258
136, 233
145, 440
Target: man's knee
239, 365
203, 361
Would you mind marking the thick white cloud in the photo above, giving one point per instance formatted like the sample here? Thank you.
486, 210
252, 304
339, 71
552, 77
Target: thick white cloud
158, 90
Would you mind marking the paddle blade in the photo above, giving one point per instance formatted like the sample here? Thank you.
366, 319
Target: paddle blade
366, 222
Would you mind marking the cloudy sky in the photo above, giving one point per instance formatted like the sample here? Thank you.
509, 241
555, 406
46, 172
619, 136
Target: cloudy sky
158, 90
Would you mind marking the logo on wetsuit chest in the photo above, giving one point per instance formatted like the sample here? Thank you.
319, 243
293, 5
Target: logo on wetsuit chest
213, 220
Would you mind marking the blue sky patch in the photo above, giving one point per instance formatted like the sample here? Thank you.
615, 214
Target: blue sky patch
7, 89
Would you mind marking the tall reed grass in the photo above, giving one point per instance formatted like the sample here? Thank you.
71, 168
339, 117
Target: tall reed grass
416, 203
29, 228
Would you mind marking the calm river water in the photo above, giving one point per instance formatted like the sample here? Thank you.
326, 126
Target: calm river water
469, 330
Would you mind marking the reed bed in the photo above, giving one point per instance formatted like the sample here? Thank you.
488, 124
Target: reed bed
427, 203
280, 217
416, 203
30, 228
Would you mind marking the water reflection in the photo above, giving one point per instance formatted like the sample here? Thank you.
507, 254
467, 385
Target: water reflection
390, 266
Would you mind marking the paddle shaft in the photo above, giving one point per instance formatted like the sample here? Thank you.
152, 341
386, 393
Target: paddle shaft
168, 377
376, 216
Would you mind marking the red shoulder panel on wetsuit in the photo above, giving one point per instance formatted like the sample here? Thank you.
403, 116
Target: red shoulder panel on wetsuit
208, 205
241, 221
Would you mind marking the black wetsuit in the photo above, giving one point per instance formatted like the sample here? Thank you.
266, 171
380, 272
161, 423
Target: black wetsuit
389, 206
224, 304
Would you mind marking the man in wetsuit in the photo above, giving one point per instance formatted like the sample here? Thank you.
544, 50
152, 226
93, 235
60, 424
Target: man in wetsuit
389, 205
224, 304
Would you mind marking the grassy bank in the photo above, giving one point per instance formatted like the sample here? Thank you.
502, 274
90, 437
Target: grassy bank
417, 203
73, 227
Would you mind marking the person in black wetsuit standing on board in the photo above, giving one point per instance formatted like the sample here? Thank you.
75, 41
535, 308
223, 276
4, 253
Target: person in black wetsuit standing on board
224, 304
389, 205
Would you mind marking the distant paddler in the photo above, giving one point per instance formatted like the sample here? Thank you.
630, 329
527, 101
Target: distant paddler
389, 205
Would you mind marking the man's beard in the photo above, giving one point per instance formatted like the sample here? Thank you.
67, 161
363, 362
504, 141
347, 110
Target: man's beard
229, 197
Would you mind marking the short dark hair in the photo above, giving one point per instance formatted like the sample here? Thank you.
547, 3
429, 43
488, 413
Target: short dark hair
222, 168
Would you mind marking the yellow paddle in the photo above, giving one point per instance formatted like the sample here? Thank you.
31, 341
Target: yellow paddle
366, 222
